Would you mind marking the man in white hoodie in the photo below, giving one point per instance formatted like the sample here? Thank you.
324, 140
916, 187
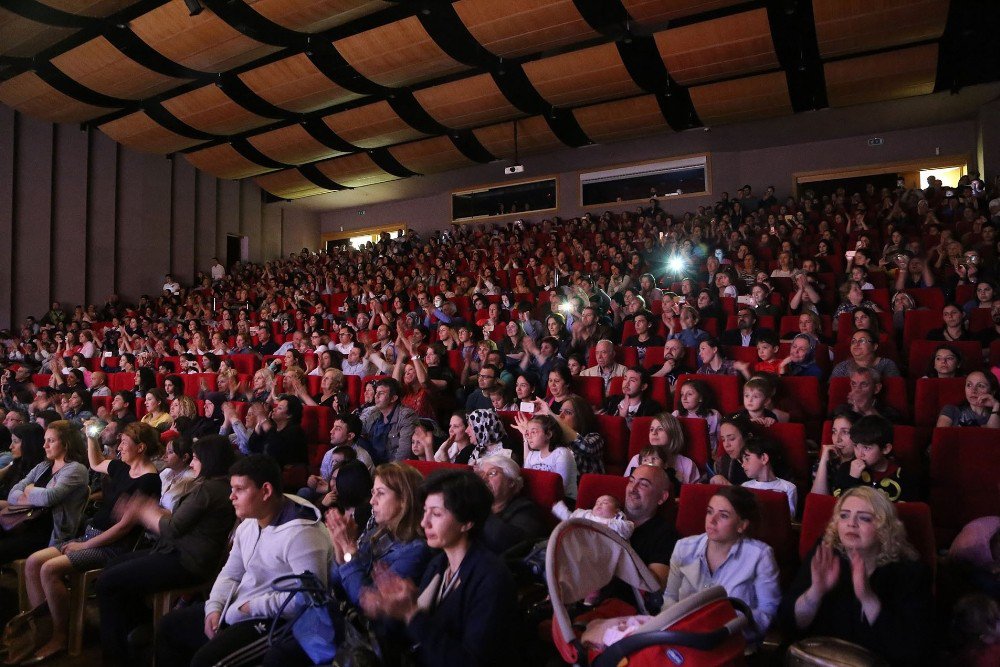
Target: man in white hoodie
278, 535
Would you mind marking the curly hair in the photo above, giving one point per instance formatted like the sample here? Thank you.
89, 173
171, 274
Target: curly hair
893, 544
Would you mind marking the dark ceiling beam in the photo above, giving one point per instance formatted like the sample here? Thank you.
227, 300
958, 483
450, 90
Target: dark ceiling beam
407, 108
515, 85
333, 66
447, 30
607, 17
793, 31
322, 133
564, 125
389, 164
247, 150
645, 65
176, 125
242, 18
319, 179
470, 146
240, 93
68, 86
122, 38
42, 13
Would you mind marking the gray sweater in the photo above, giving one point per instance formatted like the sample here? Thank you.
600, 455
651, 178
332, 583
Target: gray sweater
66, 494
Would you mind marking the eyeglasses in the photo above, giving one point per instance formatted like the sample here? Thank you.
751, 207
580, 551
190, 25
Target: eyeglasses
862, 341
487, 377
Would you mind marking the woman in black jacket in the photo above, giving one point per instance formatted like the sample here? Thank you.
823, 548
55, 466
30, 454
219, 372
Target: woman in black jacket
189, 549
466, 610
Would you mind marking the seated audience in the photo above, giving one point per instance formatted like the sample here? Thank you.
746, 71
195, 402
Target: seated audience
545, 449
871, 466
981, 406
515, 521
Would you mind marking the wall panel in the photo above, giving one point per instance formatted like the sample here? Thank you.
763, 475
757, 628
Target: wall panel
32, 215
182, 222
69, 215
81, 218
7, 132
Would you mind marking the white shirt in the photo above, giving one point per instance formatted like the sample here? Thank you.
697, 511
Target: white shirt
782, 485
559, 460
218, 272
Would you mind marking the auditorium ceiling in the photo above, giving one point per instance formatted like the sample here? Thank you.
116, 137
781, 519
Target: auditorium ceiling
317, 96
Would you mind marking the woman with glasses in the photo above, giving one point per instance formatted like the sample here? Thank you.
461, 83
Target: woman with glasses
864, 354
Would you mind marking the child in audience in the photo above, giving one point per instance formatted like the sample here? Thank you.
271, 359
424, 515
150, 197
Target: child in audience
733, 435
761, 456
698, 400
872, 437
768, 360
756, 393
607, 512
834, 455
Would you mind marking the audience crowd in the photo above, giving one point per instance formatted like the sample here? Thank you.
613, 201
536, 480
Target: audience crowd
273, 419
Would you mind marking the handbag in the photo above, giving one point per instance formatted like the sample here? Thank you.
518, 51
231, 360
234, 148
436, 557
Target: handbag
328, 631
13, 517
23, 635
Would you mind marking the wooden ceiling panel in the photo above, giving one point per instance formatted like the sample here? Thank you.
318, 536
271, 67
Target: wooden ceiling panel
101, 67
430, 156
91, 8
31, 95
852, 26
371, 126
23, 38
884, 76
622, 119
750, 98
397, 54
295, 84
289, 184
467, 102
139, 131
203, 42
223, 161
515, 28
210, 110
315, 15
292, 145
354, 171
656, 12
564, 80
533, 136
719, 48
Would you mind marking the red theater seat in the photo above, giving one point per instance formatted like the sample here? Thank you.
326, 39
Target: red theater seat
918, 323
921, 352
615, 432
932, 394
591, 389
964, 474
696, 443
792, 439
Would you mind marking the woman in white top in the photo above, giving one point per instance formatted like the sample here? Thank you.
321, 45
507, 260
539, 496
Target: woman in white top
177, 471
545, 449
724, 555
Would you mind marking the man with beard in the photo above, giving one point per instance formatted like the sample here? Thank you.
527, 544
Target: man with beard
674, 362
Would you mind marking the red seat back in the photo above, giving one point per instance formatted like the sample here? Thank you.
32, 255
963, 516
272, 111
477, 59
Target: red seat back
544, 488
593, 486
591, 389
932, 394
427, 467
931, 298
615, 432
246, 364
964, 474
917, 324
802, 395
317, 422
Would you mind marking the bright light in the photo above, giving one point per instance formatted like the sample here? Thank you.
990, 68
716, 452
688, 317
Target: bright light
566, 308
675, 264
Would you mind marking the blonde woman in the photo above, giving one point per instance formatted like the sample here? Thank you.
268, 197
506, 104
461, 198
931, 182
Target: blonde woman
863, 582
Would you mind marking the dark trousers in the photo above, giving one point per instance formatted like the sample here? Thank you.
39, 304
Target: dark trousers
122, 590
181, 640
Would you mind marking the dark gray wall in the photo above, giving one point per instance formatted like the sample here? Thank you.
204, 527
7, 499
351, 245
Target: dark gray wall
82, 217
760, 153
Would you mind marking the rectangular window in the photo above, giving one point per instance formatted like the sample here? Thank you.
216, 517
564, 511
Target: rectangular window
640, 182
506, 199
